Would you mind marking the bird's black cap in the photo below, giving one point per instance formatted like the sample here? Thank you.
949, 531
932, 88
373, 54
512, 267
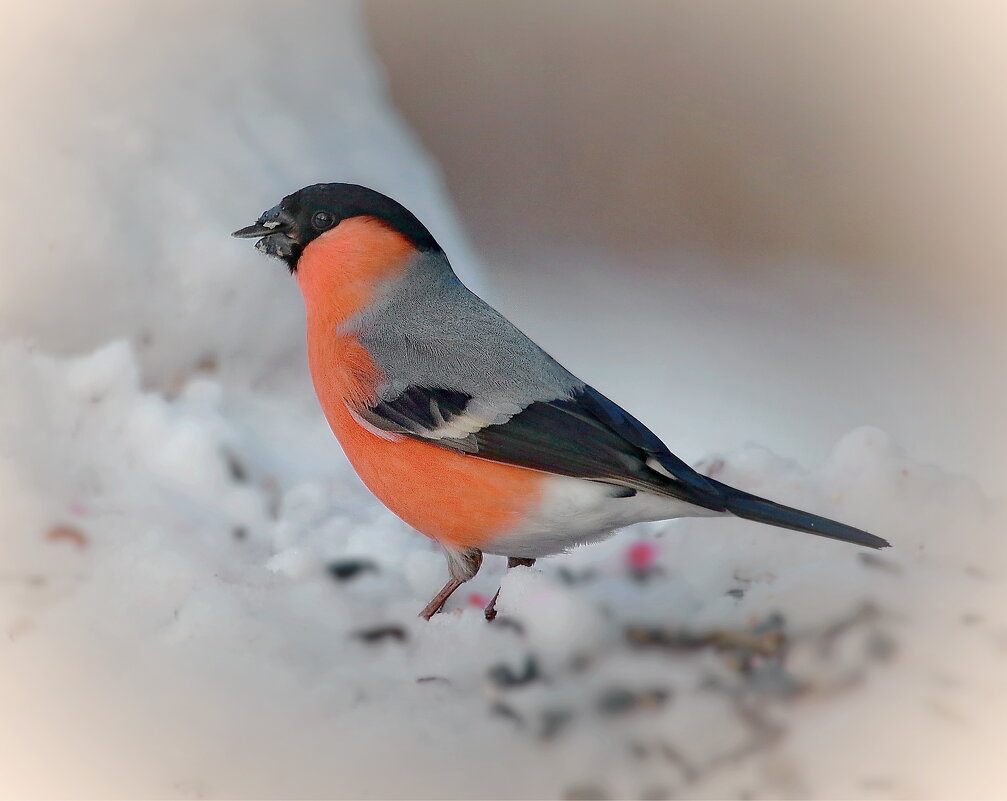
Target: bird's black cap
287, 228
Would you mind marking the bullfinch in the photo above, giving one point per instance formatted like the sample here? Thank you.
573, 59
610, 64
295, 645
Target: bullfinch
457, 421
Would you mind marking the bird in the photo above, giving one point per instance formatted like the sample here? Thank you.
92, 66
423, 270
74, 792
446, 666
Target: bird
457, 421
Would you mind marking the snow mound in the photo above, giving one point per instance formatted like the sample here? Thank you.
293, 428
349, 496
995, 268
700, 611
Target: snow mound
124, 182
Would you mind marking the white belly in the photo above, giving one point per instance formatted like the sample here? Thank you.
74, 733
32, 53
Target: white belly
574, 511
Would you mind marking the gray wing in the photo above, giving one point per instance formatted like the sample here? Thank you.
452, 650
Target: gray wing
461, 376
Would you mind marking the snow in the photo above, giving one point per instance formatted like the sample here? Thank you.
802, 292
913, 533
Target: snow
198, 643
199, 599
125, 177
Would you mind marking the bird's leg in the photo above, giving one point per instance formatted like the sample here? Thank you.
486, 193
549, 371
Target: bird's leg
440, 599
512, 561
462, 565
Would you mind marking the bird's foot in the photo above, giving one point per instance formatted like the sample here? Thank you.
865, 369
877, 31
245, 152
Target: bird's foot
512, 561
491, 608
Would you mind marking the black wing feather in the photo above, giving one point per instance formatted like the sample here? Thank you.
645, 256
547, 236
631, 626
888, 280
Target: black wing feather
418, 409
588, 436
637, 433
584, 436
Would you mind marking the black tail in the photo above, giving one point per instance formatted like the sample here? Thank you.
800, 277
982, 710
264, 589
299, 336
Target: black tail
752, 507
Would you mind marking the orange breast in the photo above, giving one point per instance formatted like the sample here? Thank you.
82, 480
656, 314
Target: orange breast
458, 500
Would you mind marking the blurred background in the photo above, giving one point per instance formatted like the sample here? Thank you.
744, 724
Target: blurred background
773, 231
732, 145
860, 134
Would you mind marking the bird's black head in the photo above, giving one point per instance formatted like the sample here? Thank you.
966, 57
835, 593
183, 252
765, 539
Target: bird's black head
289, 227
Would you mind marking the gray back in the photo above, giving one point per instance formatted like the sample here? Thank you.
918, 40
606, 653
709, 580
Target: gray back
427, 329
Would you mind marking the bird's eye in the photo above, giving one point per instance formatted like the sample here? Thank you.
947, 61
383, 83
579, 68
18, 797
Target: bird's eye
322, 220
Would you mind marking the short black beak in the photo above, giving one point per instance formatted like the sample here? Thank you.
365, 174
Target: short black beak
273, 221
261, 229
276, 231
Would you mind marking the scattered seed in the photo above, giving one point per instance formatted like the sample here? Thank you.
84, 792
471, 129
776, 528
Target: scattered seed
507, 711
503, 675
346, 569
554, 721
379, 633
67, 533
235, 467
620, 700
207, 363
615, 701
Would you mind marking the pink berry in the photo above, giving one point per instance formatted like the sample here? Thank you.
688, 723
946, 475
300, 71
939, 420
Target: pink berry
641, 555
478, 599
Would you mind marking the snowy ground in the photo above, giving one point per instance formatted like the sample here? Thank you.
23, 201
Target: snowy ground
199, 599
175, 627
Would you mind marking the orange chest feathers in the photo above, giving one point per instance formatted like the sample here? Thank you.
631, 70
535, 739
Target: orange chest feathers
459, 500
